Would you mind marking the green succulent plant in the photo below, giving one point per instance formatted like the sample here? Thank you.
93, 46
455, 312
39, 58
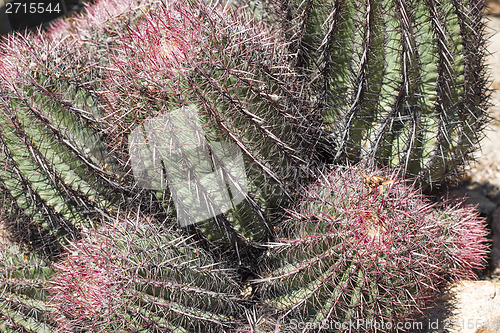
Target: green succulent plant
399, 83
23, 295
227, 76
57, 172
132, 276
80, 103
218, 119
366, 249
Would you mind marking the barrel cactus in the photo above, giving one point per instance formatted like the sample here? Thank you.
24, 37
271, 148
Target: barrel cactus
217, 89
132, 276
57, 172
399, 83
214, 118
179, 104
365, 249
24, 305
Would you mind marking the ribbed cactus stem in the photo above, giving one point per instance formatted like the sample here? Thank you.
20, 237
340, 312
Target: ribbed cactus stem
132, 275
365, 247
164, 155
399, 83
232, 73
57, 171
78, 99
23, 299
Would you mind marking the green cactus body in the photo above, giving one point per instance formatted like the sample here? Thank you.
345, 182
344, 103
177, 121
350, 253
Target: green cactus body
232, 73
78, 94
400, 83
258, 323
23, 299
144, 278
364, 253
57, 172
202, 90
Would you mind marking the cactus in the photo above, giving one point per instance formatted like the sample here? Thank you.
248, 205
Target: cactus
57, 172
232, 74
23, 296
155, 106
78, 102
131, 275
369, 250
256, 322
399, 83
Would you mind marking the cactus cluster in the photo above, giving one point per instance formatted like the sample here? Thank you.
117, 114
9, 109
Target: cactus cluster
168, 164
79, 109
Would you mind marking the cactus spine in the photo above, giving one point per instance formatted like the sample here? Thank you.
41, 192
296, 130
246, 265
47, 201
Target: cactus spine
360, 251
134, 276
399, 83
23, 298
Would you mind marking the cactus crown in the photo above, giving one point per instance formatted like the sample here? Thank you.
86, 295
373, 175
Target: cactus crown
132, 275
363, 246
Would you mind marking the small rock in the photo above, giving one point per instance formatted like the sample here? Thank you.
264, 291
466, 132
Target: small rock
470, 307
492, 7
476, 305
3, 233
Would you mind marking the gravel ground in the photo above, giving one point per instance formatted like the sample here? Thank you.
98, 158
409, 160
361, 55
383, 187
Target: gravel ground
483, 180
487, 168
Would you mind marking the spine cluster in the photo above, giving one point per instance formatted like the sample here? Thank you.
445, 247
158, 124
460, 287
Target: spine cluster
24, 300
399, 83
134, 276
